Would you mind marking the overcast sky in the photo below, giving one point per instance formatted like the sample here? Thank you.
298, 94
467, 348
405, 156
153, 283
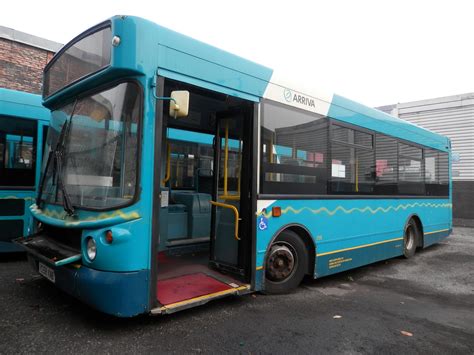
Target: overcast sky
376, 52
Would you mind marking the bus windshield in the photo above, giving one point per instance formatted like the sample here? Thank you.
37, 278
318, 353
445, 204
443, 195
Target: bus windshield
98, 162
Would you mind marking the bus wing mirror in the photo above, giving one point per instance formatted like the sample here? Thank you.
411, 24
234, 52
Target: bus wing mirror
179, 104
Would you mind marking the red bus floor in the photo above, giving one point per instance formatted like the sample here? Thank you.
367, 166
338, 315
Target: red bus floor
188, 276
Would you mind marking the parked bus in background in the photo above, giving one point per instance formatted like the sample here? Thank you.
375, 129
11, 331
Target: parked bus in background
176, 173
23, 126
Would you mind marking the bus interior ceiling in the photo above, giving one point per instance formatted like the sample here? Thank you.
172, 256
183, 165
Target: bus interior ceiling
185, 270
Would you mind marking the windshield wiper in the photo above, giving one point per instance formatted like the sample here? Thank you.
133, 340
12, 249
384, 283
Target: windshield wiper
48, 162
58, 155
43, 177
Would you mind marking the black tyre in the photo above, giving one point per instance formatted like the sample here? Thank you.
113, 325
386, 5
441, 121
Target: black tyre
410, 239
286, 263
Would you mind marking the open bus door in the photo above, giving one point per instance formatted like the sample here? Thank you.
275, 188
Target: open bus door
191, 270
231, 200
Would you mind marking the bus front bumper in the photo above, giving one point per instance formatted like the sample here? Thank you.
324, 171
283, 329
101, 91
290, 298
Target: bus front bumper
122, 294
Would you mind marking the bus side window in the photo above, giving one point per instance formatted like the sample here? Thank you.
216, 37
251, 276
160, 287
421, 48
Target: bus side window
352, 167
386, 165
442, 167
3, 149
17, 152
21, 151
294, 151
410, 170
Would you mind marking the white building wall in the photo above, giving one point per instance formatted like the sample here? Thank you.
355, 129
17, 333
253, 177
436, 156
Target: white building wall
452, 116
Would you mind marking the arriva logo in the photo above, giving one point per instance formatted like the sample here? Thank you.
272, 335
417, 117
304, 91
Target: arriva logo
301, 99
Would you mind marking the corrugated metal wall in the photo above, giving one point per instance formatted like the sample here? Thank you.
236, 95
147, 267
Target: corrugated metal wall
452, 116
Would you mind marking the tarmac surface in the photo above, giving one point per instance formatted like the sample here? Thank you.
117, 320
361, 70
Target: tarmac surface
422, 305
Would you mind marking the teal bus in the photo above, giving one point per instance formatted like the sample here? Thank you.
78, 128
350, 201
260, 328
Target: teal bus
23, 126
176, 173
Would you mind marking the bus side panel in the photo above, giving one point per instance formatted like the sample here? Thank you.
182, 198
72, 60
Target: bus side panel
15, 217
351, 233
436, 236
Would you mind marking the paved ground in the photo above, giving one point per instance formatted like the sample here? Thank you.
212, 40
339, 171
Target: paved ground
430, 296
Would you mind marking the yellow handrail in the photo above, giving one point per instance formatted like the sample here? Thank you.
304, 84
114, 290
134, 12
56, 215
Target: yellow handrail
239, 167
226, 195
168, 164
230, 197
236, 214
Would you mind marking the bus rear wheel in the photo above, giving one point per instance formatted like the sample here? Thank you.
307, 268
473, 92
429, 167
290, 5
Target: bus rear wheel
410, 239
286, 263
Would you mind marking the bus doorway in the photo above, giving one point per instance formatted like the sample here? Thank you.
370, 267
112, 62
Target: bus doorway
231, 202
205, 219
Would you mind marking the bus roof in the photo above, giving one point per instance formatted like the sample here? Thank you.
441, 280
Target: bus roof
201, 64
352, 112
263, 82
23, 105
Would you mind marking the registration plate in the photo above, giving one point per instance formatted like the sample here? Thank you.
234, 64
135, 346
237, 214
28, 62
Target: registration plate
47, 272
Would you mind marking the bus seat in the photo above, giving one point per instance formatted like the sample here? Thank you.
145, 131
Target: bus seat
176, 208
198, 207
205, 184
173, 224
177, 222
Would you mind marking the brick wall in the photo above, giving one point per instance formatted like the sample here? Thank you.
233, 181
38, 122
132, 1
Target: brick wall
21, 66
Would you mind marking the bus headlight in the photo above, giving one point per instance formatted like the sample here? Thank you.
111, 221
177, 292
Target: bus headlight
91, 248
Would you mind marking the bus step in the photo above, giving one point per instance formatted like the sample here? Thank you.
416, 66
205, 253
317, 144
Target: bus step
200, 300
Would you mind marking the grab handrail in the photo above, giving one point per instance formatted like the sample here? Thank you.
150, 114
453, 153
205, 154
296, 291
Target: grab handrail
236, 214
168, 164
230, 197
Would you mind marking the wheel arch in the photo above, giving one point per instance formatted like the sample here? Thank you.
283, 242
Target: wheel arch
307, 238
419, 224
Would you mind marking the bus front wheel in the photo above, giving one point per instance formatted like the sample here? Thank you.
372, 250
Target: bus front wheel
410, 239
286, 263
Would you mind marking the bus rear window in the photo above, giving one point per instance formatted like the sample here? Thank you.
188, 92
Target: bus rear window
81, 58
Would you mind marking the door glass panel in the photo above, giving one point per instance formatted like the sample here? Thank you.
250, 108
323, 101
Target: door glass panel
228, 191
230, 160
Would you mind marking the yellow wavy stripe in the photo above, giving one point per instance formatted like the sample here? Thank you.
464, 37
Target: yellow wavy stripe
71, 221
118, 213
357, 209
